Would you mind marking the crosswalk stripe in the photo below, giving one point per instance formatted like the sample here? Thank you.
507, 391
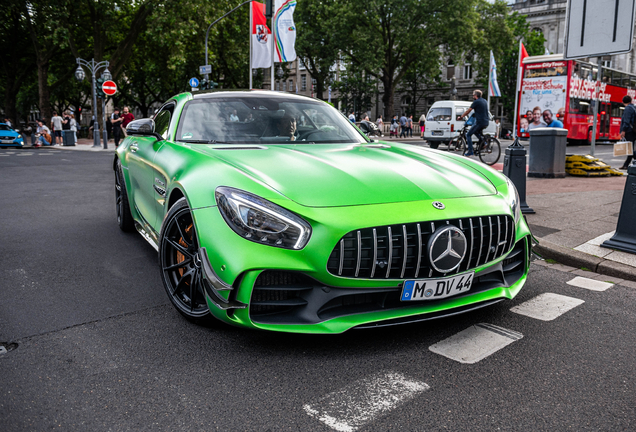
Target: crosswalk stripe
475, 343
547, 306
590, 284
356, 405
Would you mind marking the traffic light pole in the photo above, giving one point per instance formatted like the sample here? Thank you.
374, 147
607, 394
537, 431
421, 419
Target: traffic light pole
94, 68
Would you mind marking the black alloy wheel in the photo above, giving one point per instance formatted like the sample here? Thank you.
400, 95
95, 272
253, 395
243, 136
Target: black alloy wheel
124, 217
181, 267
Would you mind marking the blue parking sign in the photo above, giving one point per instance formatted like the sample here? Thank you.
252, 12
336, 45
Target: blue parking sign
194, 82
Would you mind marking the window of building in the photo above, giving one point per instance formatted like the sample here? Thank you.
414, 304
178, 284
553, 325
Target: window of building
303, 82
607, 63
284, 86
301, 64
450, 69
291, 85
278, 85
468, 72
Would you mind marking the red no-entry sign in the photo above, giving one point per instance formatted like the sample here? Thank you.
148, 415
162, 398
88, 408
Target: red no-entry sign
109, 87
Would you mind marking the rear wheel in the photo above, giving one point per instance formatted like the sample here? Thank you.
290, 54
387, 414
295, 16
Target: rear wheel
433, 144
124, 217
180, 263
491, 151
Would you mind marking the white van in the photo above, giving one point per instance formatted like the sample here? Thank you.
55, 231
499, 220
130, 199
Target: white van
442, 122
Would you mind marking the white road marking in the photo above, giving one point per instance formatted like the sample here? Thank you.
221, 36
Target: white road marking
547, 306
352, 407
591, 284
475, 343
24, 154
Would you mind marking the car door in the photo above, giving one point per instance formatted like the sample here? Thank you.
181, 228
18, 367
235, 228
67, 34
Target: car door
163, 119
141, 155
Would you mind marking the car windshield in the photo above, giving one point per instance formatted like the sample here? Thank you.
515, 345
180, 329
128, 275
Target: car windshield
5, 127
260, 120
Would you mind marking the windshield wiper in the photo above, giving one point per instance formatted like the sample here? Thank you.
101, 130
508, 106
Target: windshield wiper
203, 141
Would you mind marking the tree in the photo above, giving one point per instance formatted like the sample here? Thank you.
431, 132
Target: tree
317, 45
386, 37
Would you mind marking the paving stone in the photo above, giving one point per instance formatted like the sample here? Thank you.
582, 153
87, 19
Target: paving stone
628, 284
586, 273
611, 279
600, 239
622, 257
595, 250
564, 268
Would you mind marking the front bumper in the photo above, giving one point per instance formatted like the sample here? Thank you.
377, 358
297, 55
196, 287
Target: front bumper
287, 290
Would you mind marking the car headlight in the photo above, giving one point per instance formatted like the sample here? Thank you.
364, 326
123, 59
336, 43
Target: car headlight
261, 221
19, 136
513, 200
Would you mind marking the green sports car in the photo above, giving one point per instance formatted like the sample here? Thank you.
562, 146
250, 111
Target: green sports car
273, 211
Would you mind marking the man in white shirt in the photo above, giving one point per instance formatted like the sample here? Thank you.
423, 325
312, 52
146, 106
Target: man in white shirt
56, 125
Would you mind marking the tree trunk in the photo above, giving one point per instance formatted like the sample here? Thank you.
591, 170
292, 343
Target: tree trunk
44, 91
387, 97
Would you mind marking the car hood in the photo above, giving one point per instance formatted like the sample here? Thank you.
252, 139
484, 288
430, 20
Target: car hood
339, 175
8, 133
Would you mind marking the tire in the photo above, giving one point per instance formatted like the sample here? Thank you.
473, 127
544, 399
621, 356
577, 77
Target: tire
491, 152
179, 261
433, 144
124, 217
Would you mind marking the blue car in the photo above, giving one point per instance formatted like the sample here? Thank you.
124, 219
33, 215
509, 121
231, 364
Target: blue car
10, 137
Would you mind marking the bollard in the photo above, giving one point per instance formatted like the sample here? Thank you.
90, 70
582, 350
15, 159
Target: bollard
625, 237
515, 170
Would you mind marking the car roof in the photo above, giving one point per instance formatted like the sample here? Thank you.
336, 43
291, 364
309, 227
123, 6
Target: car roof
451, 103
265, 94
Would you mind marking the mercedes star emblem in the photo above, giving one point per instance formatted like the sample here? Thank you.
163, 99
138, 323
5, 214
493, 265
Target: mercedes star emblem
438, 205
447, 248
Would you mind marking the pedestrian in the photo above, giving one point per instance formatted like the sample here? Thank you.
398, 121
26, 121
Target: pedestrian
116, 119
403, 125
394, 126
352, 117
127, 117
628, 127
7, 121
43, 135
409, 125
422, 125
537, 121
56, 125
73, 124
497, 128
549, 121
380, 124
480, 106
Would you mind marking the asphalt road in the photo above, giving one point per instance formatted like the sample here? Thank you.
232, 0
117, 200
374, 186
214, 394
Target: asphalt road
100, 348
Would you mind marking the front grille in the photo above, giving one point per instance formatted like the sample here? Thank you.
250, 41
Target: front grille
400, 251
7, 138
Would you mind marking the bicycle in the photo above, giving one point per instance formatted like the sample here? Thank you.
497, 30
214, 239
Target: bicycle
488, 148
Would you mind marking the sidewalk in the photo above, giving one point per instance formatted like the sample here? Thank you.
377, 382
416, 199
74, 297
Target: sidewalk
574, 215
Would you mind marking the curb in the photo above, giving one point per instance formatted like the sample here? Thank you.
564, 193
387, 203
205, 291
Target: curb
574, 258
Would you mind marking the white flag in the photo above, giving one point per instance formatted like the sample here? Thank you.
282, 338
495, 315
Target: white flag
285, 31
261, 38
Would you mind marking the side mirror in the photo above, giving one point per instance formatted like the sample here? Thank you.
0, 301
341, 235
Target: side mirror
143, 127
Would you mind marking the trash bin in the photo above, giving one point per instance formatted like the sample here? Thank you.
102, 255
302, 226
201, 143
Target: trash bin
547, 152
68, 137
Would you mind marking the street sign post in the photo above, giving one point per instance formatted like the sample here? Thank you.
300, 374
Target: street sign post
598, 27
207, 69
109, 87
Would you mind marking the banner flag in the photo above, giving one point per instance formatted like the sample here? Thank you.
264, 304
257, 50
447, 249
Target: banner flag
284, 31
522, 54
261, 37
493, 87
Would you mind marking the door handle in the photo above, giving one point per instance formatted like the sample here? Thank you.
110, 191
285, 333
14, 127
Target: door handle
134, 147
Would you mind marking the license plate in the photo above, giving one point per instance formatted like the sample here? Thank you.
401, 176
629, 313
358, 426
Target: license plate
7, 141
438, 133
435, 289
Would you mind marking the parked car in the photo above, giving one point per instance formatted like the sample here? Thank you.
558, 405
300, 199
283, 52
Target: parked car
9, 137
265, 218
443, 123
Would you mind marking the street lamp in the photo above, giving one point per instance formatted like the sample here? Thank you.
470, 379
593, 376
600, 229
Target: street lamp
453, 88
106, 76
93, 67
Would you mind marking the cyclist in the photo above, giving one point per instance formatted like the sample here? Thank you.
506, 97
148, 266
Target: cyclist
480, 106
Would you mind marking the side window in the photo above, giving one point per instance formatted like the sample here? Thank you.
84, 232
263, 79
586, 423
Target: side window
459, 112
162, 120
